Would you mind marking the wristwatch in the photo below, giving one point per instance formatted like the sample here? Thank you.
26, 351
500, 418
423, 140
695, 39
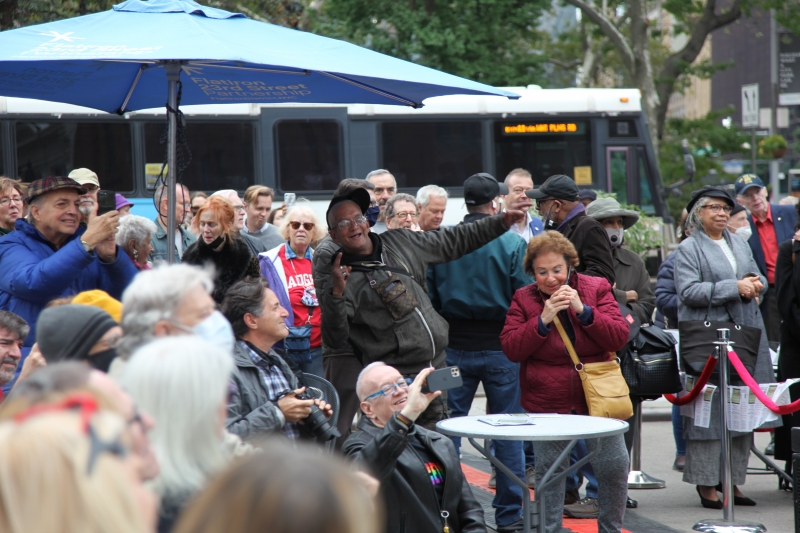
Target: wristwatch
86, 246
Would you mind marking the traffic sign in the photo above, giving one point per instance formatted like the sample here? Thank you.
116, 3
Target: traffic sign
750, 106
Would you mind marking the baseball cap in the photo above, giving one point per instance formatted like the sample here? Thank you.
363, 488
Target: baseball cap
482, 188
587, 194
53, 183
359, 196
557, 186
121, 201
84, 176
746, 181
713, 192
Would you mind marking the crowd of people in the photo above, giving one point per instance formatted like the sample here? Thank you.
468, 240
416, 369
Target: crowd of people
196, 397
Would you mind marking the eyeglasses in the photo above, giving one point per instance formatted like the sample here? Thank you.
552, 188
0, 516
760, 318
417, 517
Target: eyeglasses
4, 201
388, 390
715, 208
405, 214
239, 208
90, 188
308, 226
541, 202
87, 407
345, 225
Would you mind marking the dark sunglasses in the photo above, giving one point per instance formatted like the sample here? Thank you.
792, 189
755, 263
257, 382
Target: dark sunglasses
308, 226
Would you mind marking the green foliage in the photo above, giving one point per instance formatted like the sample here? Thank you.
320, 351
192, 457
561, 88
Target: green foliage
774, 143
491, 41
708, 140
643, 236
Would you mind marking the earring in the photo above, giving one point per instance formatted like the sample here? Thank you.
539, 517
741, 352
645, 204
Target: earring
135, 255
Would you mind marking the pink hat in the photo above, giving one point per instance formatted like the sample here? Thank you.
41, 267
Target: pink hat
122, 201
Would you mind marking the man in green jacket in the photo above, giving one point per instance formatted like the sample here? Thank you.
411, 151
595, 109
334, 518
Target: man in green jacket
375, 298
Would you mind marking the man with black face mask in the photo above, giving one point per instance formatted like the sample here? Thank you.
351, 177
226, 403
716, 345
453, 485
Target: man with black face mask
78, 332
558, 202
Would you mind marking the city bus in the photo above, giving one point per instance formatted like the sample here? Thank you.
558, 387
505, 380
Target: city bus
598, 137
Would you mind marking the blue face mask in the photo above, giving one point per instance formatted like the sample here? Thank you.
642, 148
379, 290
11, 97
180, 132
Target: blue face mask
217, 330
372, 215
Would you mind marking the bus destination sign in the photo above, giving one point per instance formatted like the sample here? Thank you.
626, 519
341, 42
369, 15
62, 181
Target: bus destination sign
541, 127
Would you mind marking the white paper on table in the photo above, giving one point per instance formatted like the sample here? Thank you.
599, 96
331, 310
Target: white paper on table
702, 406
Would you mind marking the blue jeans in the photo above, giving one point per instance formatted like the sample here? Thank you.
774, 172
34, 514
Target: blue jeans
500, 379
315, 365
677, 431
575, 480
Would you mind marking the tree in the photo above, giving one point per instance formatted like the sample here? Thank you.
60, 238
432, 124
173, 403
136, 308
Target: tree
491, 41
694, 18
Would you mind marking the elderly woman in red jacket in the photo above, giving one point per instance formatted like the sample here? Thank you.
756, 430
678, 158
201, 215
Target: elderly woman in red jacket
586, 307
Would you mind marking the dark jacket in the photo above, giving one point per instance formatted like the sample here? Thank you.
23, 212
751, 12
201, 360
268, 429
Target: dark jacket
251, 413
667, 294
548, 379
632, 275
255, 245
473, 293
783, 218
33, 272
359, 316
232, 263
787, 288
409, 499
594, 250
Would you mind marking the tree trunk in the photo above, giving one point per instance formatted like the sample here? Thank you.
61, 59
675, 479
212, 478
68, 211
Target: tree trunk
642, 71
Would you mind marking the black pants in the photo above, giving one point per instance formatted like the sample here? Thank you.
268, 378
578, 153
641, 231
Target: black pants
342, 371
772, 319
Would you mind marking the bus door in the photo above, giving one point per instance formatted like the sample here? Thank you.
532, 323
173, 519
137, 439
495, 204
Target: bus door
629, 176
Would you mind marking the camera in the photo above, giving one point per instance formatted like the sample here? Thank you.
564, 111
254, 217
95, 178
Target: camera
317, 423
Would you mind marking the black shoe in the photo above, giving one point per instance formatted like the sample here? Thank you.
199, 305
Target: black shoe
708, 504
513, 526
631, 503
571, 496
738, 500
680, 462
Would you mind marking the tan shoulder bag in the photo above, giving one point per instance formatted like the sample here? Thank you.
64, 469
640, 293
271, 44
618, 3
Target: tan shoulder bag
607, 394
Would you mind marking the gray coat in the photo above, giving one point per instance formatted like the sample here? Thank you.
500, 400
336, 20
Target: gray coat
251, 412
699, 262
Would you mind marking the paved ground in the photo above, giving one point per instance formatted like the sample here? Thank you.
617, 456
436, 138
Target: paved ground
677, 507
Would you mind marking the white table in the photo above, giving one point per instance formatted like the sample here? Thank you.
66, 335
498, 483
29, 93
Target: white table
546, 428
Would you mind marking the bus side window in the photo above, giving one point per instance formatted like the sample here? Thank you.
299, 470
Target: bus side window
223, 154
57, 148
308, 155
645, 190
617, 159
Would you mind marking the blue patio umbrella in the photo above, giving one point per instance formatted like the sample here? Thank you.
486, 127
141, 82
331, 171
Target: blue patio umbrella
136, 54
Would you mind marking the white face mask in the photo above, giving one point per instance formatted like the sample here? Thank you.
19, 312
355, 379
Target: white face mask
615, 236
216, 330
744, 232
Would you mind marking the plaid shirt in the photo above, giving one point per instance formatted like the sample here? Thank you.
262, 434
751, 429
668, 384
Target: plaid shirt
276, 383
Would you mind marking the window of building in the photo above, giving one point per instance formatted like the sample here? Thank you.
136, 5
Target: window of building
308, 155
432, 153
57, 148
223, 154
542, 147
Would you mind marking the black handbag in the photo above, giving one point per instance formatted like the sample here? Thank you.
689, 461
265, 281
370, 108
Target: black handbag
697, 343
649, 361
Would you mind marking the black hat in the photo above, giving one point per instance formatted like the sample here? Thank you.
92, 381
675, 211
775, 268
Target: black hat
587, 194
482, 188
70, 331
737, 209
713, 192
558, 186
359, 196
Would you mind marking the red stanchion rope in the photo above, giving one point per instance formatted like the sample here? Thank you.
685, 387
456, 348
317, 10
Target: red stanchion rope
751, 383
698, 387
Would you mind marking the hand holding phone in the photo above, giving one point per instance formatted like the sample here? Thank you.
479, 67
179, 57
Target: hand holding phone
106, 202
443, 379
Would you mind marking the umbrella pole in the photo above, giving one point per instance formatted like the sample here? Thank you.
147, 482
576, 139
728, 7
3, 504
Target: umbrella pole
173, 69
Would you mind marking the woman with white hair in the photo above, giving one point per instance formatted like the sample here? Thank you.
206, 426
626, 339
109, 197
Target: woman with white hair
717, 279
134, 236
182, 382
288, 270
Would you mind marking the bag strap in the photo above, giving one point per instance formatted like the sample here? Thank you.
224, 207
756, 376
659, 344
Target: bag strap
568, 343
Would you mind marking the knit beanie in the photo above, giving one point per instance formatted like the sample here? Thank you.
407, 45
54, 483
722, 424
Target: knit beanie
101, 299
70, 331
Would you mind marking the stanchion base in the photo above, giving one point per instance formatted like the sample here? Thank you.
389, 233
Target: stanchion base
639, 480
721, 526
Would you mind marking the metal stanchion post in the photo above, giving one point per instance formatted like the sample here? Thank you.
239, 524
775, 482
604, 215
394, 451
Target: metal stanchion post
727, 524
636, 478
796, 476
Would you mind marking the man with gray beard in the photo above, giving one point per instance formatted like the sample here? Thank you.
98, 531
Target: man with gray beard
13, 331
88, 201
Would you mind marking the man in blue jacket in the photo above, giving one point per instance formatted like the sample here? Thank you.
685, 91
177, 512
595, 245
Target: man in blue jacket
50, 255
473, 294
771, 224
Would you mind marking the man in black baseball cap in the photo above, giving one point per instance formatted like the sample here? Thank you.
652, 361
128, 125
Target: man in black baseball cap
482, 188
558, 201
374, 285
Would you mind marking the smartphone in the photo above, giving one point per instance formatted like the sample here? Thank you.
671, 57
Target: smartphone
106, 201
569, 275
443, 379
289, 199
